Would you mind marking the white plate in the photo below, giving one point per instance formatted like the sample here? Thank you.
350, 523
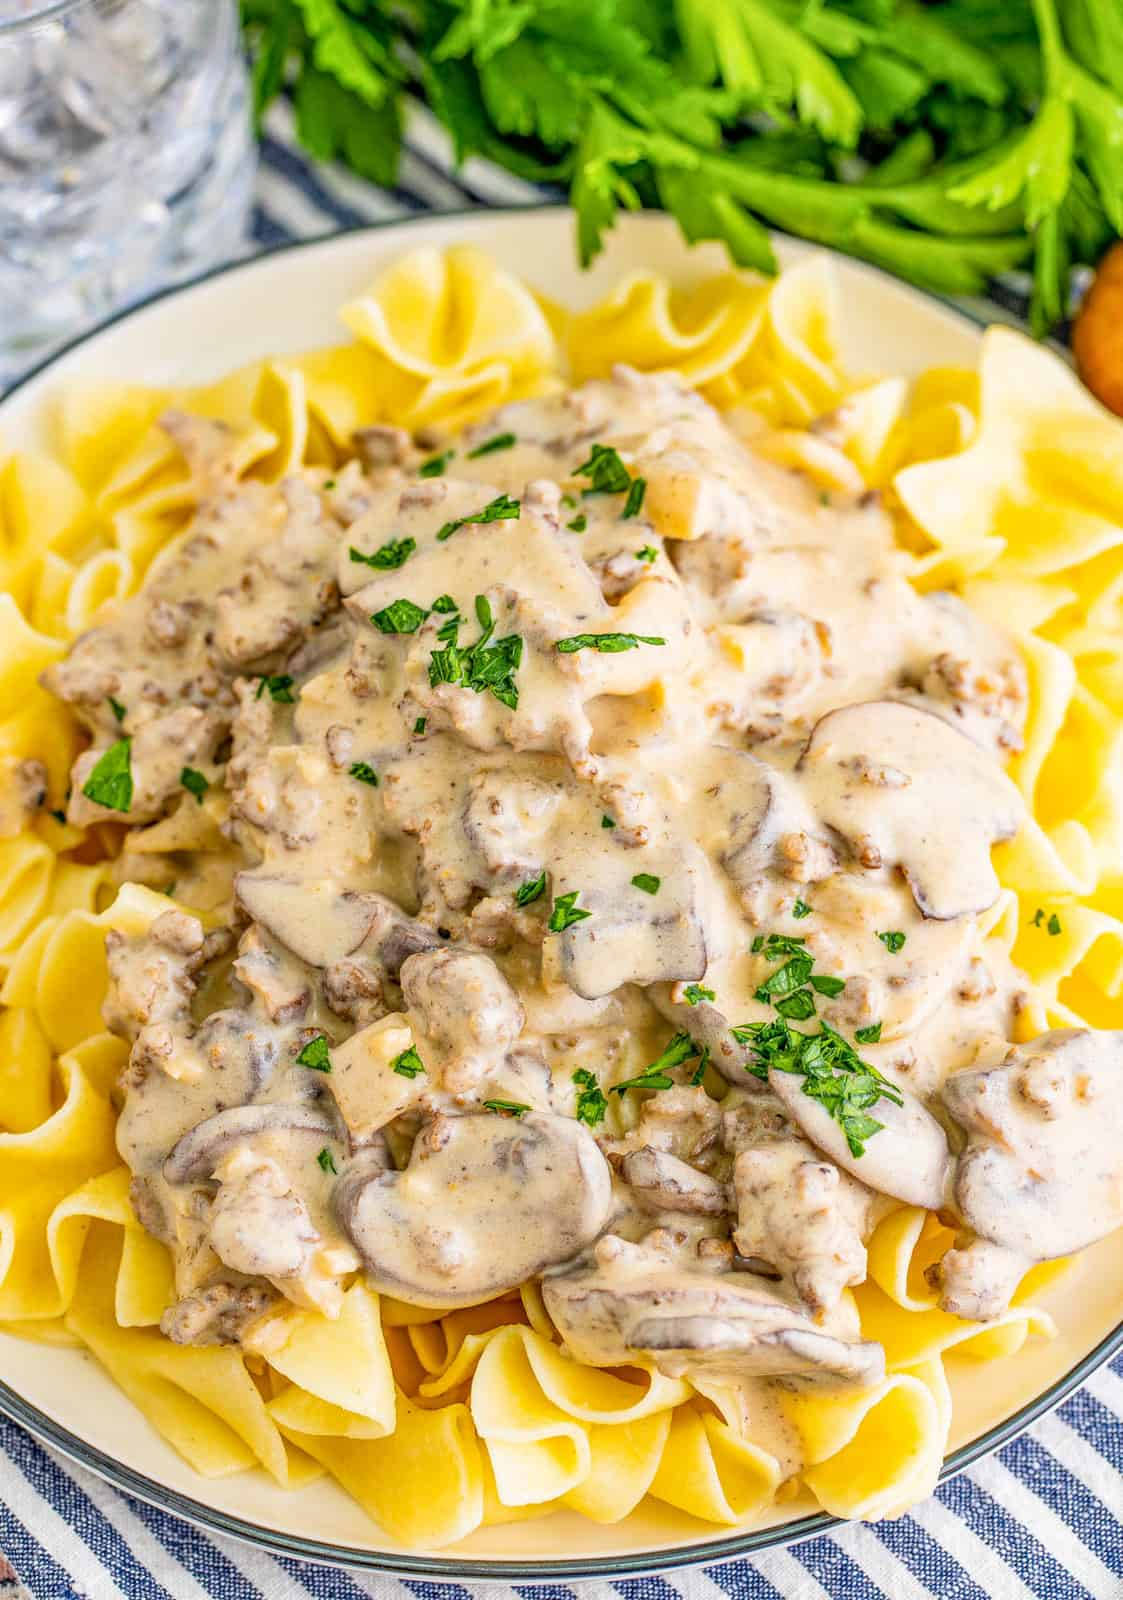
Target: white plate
287, 301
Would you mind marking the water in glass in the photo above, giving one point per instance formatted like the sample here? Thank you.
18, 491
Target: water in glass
126, 159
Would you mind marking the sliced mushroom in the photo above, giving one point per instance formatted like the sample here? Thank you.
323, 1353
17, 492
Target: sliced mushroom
908, 1158
664, 1183
486, 1202
196, 1155
466, 1010
631, 936
727, 1325
904, 788
318, 921
1042, 1174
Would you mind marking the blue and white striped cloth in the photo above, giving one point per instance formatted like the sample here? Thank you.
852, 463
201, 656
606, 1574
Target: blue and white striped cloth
1043, 1517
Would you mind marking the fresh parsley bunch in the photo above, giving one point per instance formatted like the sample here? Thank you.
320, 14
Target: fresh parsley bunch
946, 142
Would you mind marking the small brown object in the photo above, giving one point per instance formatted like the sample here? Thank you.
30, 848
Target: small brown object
1097, 335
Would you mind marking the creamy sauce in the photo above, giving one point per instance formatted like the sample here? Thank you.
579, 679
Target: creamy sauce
478, 883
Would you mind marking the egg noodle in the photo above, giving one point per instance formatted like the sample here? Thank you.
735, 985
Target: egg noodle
1006, 484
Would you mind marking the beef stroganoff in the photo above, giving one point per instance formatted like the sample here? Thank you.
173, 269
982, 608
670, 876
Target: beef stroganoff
551, 866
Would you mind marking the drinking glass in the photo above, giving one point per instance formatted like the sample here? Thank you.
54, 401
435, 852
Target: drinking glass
126, 158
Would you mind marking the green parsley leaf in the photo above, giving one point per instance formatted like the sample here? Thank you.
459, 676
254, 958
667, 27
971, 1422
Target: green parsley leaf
647, 553
408, 1064
870, 1035
445, 604
579, 523
419, 725
786, 979
315, 1055
680, 1049
591, 1101
533, 889
698, 1076
606, 821
606, 472
800, 910
797, 1007
822, 984
893, 942
435, 465
326, 1160
636, 491
507, 1108
501, 509
117, 708
566, 912
1053, 926
279, 688
394, 553
606, 643
647, 881
194, 782
694, 993
1038, 918
364, 772
400, 616
500, 441
110, 782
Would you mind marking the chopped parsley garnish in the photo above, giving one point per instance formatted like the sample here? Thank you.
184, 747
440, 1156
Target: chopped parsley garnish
606, 821
800, 910
409, 1064
110, 783
698, 1075
647, 881
1053, 925
419, 725
591, 1101
606, 643
501, 509
656, 1076
694, 993
435, 464
822, 984
445, 604
566, 912
893, 942
796, 1007
326, 1160
279, 687
394, 553
833, 1073
500, 441
329, 483
482, 666
506, 1108
364, 772
400, 616
532, 889
777, 945
569, 502
786, 979
116, 707
648, 553
59, 816
605, 471
870, 1035
636, 491
315, 1055
579, 523
1038, 917
194, 783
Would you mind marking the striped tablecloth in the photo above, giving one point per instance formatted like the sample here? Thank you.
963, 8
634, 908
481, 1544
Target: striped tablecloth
1043, 1517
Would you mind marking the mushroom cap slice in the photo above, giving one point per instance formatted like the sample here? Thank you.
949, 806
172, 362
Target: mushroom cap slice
485, 1202
731, 1325
901, 782
318, 921
196, 1155
1042, 1174
908, 1158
